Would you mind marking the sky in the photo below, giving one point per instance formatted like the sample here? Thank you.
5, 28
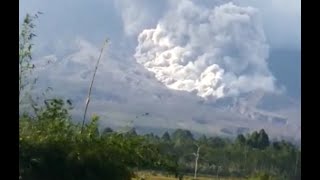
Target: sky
122, 21
96, 19
209, 48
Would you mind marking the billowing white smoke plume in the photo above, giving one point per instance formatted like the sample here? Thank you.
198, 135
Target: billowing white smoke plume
214, 52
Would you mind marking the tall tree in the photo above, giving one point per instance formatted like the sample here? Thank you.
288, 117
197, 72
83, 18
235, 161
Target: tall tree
241, 140
203, 139
263, 139
166, 137
216, 142
253, 139
25, 48
26, 67
182, 136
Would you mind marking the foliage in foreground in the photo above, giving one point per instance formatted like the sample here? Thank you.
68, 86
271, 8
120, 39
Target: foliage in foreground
52, 147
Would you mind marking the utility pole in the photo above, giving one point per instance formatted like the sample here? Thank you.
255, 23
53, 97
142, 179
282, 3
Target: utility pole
91, 84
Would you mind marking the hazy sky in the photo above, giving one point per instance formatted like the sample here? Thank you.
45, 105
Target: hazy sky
274, 24
95, 19
122, 21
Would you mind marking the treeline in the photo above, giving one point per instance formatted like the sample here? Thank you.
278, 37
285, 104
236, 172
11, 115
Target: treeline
51, 146
246, 156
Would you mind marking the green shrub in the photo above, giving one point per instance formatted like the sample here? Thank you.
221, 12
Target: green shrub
52, 147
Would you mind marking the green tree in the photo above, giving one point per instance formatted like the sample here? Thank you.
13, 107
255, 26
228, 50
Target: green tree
166, 137
216, 142
25, 50
253, 140
263, 139
241, 140
182, 136
203, 139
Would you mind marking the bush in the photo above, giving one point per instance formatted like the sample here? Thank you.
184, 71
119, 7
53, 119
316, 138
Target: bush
52, 147
62, 161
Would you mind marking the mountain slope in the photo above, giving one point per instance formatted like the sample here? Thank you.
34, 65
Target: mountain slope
124, 91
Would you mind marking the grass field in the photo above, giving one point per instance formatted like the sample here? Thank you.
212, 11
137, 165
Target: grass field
149, 176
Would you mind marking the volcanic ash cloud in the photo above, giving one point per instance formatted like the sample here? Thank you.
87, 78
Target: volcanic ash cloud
213, 53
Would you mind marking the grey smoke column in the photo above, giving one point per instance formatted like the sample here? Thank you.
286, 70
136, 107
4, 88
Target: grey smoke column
214, 52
